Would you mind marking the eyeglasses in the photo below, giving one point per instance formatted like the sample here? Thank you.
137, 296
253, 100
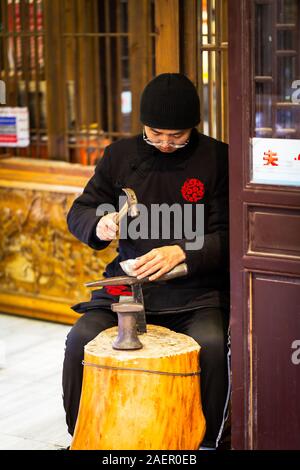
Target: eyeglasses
160, 143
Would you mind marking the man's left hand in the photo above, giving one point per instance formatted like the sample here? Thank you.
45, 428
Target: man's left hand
158, 261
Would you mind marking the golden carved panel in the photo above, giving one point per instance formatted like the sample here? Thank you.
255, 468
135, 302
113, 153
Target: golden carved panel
39, 258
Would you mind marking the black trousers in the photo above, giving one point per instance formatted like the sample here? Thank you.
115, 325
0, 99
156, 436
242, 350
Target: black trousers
208, 326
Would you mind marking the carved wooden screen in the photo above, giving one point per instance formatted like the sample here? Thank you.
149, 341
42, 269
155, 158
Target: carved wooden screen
79, 67
99, 48
22, 66
212, 67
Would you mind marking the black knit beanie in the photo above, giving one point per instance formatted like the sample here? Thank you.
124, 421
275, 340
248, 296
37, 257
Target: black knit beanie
170, 101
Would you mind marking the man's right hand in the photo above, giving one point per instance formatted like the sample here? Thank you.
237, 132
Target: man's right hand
107, 228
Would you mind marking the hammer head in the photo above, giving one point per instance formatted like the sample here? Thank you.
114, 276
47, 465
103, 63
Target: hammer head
132, 201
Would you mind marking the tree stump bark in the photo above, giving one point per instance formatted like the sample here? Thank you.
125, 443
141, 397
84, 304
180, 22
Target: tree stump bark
135, 400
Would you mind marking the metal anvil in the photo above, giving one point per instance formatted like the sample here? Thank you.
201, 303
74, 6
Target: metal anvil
131, 312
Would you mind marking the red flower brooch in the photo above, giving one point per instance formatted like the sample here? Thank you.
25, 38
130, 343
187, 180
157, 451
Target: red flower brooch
192, 190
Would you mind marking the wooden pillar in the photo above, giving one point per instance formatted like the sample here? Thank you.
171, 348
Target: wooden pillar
139, 49
224, 91
57, 145
189, 40
167, 40
87, 60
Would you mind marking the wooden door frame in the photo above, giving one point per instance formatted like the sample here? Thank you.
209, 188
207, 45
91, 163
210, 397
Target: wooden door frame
239, 131
244, 197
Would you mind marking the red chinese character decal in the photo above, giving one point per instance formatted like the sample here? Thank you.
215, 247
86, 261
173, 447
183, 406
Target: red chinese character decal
271, 158
192, 190
297, 158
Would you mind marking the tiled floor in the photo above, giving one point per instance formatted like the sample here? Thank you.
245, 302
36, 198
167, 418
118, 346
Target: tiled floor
31, 410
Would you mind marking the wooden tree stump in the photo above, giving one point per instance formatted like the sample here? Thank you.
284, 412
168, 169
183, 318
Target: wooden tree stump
127, 402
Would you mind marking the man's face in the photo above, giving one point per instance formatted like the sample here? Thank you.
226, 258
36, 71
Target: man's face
166, 139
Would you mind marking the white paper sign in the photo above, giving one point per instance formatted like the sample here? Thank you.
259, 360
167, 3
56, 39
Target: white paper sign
126, 102
276, 161
14, 127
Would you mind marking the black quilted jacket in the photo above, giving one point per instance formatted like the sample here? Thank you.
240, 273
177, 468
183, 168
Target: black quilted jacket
196, 174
